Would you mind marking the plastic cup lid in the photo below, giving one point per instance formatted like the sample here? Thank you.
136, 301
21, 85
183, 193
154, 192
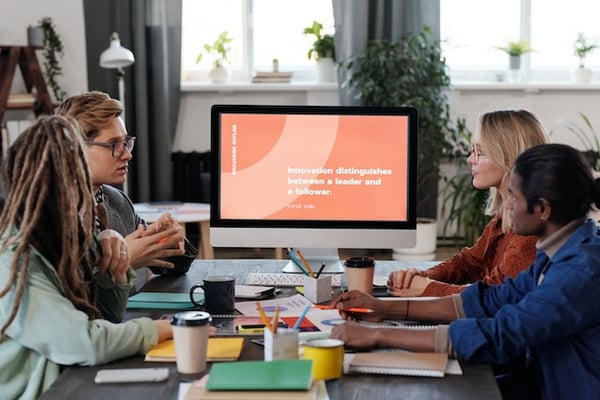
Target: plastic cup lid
191, 318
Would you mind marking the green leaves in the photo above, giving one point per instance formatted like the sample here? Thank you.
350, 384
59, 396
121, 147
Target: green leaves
409, 72
516, 47
53, 52
323, 46
219, 50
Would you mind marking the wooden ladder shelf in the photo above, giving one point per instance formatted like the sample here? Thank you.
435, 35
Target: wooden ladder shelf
27, 60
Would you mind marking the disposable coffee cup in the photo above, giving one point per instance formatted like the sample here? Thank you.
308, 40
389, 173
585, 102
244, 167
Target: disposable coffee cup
359, 273
219, 294
190, 333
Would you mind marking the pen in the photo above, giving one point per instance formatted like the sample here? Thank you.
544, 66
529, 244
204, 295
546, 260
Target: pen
320, 270
300, 318
359, 310
263, 316
306, 264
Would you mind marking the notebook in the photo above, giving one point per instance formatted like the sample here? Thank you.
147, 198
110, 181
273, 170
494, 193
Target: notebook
261, 375
219, 349
163, 300
399, 363
197, 391
253, 292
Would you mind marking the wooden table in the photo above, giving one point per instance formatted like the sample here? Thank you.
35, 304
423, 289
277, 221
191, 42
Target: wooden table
183, 213
477, 381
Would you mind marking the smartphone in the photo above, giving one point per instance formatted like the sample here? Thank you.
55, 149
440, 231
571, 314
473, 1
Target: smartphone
123, 375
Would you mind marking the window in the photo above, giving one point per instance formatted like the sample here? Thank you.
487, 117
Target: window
261, 31
471, 29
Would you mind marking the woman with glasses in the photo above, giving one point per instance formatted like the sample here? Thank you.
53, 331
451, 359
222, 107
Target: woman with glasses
499, 252
108, 150
548, 312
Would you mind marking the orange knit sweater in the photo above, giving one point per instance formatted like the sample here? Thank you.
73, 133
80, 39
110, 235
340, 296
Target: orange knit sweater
493, 257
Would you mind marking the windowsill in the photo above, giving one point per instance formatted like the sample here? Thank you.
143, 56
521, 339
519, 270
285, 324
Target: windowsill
257, 87
530, 86
241, 86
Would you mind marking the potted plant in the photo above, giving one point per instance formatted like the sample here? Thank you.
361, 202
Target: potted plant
582, 46
219, 51
322, 51
411, 72
53, 52
515, 49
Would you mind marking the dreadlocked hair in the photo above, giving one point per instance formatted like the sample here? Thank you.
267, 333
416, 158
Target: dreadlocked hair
49, 207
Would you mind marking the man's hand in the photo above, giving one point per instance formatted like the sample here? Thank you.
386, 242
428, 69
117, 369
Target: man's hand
356, 298
147, 246
114, 255
354, 335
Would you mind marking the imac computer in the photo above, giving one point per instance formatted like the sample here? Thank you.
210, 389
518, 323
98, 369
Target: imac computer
314, 178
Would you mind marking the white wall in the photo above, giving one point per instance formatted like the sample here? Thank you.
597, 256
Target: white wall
67, 15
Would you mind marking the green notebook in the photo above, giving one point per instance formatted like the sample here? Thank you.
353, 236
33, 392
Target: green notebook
261, 375
163, 300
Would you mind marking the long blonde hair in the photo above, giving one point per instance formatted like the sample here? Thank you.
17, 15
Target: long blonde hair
504, 134
49, 206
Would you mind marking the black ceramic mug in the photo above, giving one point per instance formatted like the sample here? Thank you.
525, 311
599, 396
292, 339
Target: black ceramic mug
219, 294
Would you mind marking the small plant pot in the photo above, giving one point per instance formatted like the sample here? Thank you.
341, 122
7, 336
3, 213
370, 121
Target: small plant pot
218, 75
35, 36
582, 74
325, 70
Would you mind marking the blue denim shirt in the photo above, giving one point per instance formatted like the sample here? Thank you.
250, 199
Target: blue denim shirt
557, 320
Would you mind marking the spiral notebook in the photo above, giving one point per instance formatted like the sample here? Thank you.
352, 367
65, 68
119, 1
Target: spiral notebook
399, 363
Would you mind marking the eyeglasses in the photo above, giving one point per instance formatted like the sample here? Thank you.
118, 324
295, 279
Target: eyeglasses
118, 147
477, 154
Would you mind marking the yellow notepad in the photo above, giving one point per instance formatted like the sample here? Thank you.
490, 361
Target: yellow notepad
219, 349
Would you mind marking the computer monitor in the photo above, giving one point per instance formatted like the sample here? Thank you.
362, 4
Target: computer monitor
314, 178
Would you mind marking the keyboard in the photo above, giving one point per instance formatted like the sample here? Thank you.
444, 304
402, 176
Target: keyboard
283, 279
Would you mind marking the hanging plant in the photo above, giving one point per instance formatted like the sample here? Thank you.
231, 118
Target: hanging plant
53, 52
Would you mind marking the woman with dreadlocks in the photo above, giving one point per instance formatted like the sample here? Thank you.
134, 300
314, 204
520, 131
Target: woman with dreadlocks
51, 295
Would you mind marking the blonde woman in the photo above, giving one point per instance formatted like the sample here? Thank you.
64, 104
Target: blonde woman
499, 252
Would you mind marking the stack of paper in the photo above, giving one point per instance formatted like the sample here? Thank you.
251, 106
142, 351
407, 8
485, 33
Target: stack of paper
219, 349
272, 77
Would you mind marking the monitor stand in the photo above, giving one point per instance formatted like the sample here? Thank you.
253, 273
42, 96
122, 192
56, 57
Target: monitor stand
316, 258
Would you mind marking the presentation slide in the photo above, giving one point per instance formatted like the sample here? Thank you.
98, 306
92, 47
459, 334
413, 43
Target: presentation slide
314, 167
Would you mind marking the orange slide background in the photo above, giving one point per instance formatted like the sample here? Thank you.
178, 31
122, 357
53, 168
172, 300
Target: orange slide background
266, 145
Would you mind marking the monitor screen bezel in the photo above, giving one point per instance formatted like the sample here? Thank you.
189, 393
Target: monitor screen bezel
321, 228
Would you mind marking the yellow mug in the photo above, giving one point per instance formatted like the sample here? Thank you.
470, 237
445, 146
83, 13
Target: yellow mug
327, 356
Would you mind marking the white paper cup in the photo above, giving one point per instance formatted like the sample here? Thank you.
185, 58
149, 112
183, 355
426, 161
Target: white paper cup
190, 333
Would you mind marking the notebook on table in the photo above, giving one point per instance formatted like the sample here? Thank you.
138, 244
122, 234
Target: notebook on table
261, 375
219, 349
399, 363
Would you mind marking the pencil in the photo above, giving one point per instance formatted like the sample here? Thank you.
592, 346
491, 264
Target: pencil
275, 321
306, 264
300, 318
263, 317
296, 261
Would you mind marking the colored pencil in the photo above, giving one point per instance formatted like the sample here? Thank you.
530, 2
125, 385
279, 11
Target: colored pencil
306, 264
263, 317
300, 318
